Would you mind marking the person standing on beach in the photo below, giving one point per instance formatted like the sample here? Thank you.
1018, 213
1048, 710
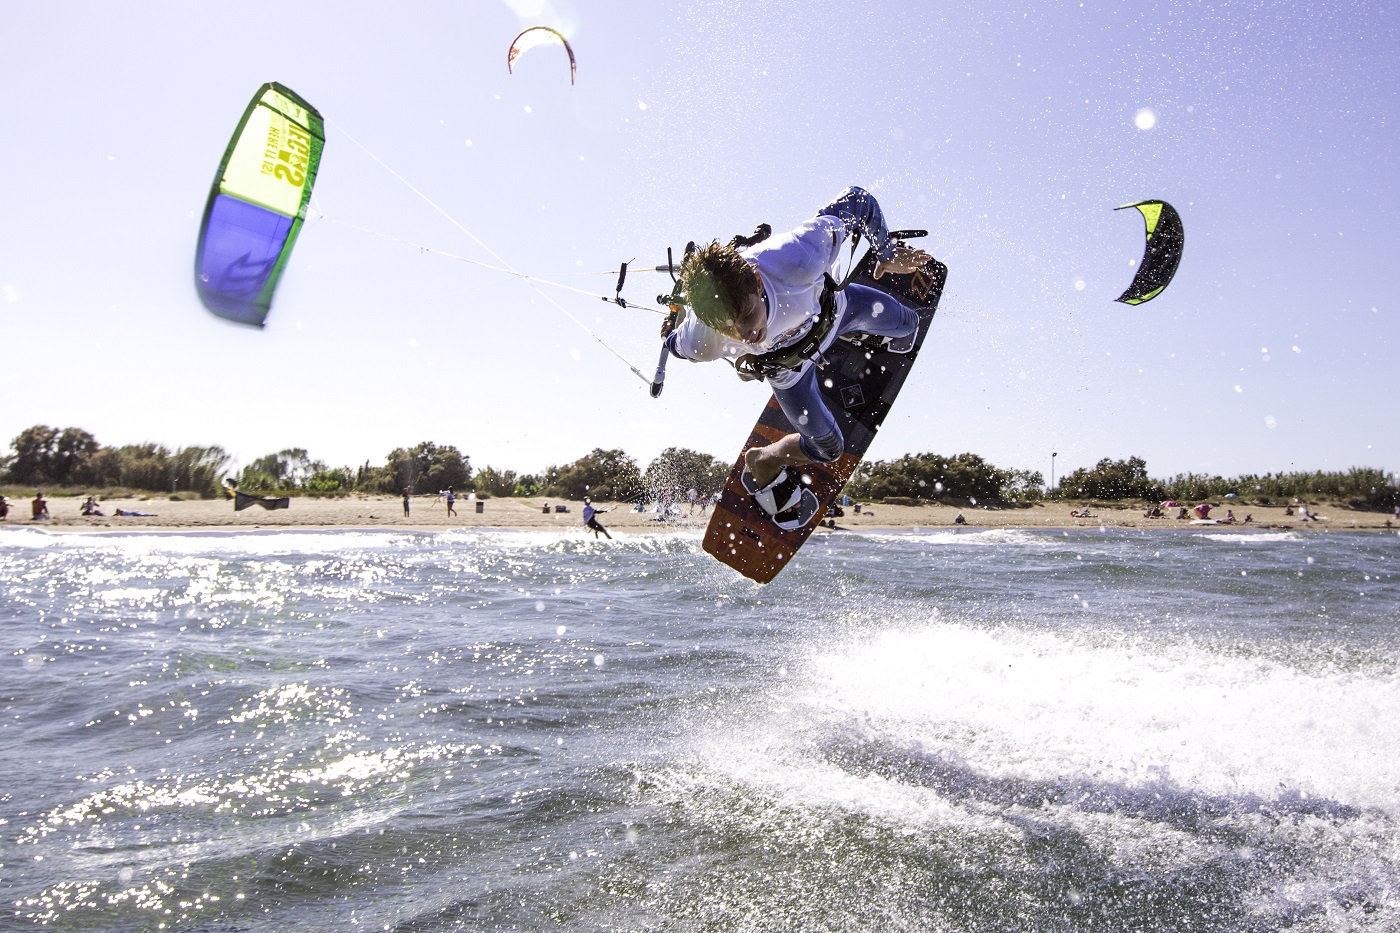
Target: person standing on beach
590, 519
451, 500
405, 501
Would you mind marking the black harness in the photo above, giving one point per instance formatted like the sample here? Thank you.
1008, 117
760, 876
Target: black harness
754, 366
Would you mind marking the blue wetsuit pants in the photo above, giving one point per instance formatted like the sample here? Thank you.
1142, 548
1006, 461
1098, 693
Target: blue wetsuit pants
868, 311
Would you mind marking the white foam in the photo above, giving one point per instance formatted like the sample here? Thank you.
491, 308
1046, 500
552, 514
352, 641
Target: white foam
796, 782
189, 542
29, 538
312, 543
1247, 537
994, 537
148, 595
990, 738
535, 540
1045, 708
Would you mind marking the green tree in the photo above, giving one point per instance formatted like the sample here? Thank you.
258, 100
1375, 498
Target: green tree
428, 467
72, 450
929, 476
603, 474
374, 479
103, 468
328, 482
286, 469
676, 470
50, 455
199, 470
145, 466
1112, 479
1022, 486
33, 460
494, 482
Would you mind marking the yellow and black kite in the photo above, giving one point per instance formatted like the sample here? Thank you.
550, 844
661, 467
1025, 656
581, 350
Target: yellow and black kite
1165, 240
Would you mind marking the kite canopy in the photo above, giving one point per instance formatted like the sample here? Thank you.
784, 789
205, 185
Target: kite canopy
539, 35
1165, 240
241, 501
257, 203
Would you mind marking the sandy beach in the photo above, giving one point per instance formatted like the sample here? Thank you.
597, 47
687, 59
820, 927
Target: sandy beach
429, 513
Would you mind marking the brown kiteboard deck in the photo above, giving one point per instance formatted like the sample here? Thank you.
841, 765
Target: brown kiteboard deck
863, 386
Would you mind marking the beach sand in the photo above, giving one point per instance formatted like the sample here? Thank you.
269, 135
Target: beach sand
429, 513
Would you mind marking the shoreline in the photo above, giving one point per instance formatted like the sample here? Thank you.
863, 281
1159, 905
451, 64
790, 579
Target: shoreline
429, 514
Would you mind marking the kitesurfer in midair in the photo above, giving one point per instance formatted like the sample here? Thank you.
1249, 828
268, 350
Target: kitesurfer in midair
767, 298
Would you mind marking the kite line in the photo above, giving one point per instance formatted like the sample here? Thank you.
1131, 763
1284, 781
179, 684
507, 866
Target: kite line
501, 269
507, 267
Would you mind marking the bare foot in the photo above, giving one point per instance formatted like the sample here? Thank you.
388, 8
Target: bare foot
765, 463
763, 466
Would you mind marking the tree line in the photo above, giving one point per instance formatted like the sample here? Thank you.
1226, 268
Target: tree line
1362, 487
969, 478
72, 457
44, 456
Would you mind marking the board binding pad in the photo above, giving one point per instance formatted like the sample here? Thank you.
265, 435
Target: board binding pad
864, 381
807, 505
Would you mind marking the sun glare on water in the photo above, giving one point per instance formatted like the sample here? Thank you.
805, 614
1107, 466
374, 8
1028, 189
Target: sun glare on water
1145, 119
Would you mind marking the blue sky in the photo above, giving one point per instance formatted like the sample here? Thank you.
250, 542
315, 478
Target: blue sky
1010, 131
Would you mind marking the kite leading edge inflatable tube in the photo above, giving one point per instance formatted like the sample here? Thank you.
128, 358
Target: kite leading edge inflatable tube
257, 204
540, 35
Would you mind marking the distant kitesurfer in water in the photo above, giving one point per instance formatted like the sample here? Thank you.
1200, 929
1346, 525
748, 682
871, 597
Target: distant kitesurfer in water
770, 297
590, 519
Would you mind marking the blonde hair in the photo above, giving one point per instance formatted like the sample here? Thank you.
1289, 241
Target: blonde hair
716, 279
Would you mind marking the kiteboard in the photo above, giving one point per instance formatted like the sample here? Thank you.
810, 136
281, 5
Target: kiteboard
859, 383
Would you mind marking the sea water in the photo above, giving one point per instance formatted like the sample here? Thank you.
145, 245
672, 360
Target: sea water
492, 730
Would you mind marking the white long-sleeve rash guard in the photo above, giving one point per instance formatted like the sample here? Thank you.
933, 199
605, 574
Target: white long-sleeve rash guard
791, 266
